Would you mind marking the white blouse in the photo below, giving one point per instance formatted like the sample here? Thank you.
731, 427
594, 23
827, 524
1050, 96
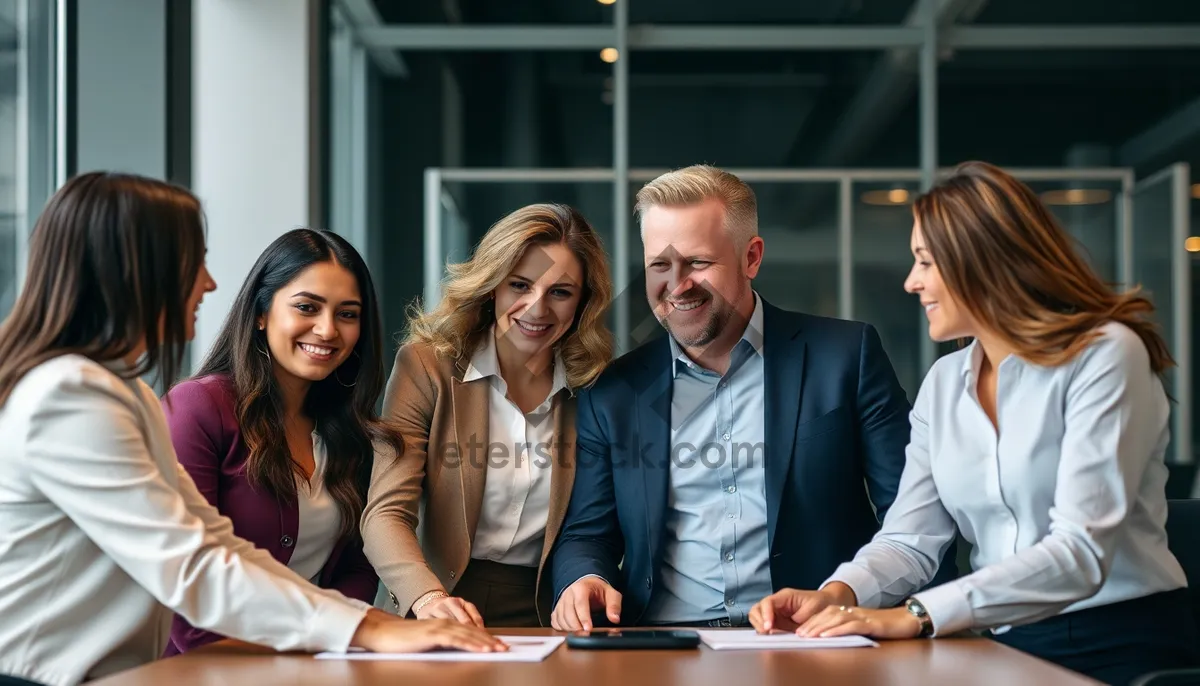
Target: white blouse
1065, 507
320, 520
103, 536
516, 495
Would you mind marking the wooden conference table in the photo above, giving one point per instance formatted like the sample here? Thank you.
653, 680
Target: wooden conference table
943, 661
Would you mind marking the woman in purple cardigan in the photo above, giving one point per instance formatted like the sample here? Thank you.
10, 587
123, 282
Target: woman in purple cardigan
279, 429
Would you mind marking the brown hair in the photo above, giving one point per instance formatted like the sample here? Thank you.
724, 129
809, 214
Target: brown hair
697, 183
113, 260
342, 404
1008, 261
457, 325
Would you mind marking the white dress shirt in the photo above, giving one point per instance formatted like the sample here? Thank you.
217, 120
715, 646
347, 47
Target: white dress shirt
103, 535
320, 520
1065, 508
516, 495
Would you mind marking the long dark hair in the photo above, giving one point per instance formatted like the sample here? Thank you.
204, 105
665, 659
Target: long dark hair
1006, 258
112, 262
345, 417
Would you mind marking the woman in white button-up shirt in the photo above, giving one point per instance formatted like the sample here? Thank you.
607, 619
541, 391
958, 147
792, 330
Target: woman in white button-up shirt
482, 391
1041, 442
102, 534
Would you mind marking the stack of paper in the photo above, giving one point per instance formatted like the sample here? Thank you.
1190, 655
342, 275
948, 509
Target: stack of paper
749, 639
520, 649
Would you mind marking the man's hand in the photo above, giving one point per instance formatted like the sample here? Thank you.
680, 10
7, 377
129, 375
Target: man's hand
381, 632
574, 609
789, 608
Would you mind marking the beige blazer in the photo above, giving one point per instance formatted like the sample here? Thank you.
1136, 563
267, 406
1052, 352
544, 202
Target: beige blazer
419, 522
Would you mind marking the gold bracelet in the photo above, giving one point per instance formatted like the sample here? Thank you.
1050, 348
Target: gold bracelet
430, 597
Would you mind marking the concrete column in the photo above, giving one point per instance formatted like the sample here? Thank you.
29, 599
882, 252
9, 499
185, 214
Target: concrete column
255, 134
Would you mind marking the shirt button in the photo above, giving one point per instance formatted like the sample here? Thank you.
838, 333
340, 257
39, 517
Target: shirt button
451, 573
729, 557
648, 582
725, 436
730, 515
729, 602
732, 489
287, 541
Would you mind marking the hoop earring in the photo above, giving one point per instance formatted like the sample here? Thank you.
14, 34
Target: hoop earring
338, 377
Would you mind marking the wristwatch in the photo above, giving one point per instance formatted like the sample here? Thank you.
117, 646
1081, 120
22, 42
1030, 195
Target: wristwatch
916, 609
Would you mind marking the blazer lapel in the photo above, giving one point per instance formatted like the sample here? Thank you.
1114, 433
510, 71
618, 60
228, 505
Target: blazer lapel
470, 401
651, 449
562, 468
783, 364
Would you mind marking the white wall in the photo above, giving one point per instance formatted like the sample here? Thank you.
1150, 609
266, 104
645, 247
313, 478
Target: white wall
250, 136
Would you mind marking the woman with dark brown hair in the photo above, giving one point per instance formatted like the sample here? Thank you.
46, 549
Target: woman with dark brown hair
278, 428
103, 536
1041, 441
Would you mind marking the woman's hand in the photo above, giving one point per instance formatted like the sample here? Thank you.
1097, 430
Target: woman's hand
787, 609
840, 620
452, 608
381, 632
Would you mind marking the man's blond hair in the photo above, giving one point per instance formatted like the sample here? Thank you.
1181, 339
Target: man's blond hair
697, 183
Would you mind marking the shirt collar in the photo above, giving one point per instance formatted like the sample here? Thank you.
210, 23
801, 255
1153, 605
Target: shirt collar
752, 335
485, 363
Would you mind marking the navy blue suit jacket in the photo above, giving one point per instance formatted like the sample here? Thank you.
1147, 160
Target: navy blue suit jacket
836, 421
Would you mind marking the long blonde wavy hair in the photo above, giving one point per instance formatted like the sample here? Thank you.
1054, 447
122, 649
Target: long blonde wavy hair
456, 327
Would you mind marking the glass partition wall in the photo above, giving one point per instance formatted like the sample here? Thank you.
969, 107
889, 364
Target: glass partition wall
837, 244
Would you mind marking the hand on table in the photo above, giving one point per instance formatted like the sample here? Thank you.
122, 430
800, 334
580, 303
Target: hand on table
788, 609
381, 632
857, 621
452, 608
574, 609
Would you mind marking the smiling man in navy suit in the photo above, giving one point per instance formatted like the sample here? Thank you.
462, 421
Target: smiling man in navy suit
748, 450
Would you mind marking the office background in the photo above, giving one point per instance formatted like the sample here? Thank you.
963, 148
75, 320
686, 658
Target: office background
411, 125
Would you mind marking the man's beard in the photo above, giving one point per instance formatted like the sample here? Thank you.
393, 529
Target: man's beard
720, 313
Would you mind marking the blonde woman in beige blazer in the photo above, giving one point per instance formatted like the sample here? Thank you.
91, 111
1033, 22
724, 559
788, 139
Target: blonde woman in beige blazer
460, 526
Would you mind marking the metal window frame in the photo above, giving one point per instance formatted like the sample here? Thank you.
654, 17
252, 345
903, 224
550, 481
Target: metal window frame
925, 35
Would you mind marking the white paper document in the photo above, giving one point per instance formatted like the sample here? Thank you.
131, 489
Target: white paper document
749, 639
520, 649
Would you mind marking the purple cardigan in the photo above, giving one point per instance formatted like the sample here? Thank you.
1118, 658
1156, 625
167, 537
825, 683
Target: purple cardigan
204, 429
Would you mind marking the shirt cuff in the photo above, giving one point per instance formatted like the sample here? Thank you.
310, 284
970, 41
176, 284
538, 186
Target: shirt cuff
863, 583
949, 608
334, 625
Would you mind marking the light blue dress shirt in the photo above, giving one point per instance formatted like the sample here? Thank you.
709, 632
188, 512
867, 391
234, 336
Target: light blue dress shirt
715, 557
1065, 506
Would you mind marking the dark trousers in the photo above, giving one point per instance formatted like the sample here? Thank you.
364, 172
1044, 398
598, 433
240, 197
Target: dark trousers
1116, 643
504, 594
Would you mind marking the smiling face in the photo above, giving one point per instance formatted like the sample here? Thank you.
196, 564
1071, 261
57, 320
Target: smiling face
537, 301
313, 323
947, 319
696, 277
204, 284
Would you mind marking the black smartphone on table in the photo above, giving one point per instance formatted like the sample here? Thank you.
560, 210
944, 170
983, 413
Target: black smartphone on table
651, 639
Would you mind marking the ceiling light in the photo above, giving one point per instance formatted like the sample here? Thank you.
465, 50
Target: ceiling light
609, 55
894, 196
1192, 244
1196, 191
1077, 196
606, 2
